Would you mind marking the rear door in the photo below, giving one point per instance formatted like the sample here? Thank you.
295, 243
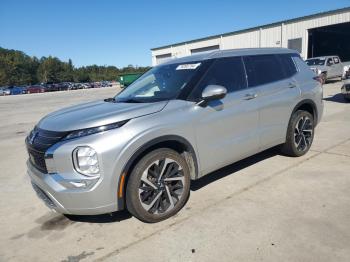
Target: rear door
278, 93
338, 66
226, 129
332, 68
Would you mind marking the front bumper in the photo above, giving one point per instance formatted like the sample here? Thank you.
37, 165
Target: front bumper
66, 191
51, 190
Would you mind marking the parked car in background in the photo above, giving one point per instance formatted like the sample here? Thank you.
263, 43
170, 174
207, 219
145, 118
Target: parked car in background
178, 122
35, 89
16, 90
4, 92
346, 70
95, 85
51, 87
75, 86
106, 84
63, 86
327, 67
345, 90
85, 85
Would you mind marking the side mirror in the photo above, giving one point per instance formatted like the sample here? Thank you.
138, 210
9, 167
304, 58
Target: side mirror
212, 92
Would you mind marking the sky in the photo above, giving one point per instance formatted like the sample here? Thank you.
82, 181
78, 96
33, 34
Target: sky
112, 32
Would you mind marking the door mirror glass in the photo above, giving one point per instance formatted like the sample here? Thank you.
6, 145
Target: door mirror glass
213, 92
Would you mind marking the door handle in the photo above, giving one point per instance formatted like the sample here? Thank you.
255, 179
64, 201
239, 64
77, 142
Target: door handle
250, 96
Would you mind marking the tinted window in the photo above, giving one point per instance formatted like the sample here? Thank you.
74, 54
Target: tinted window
288, 64
315, 61
336, 60
227, 72
330, 61
263, 69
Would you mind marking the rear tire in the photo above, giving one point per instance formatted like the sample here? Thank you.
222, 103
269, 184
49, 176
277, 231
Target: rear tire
300, 134
323, 77
159, 186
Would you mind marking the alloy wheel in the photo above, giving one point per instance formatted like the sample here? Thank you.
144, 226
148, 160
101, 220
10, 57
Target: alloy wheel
303, 133
161, 186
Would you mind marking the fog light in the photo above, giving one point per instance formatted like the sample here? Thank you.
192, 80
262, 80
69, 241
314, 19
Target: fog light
86, 161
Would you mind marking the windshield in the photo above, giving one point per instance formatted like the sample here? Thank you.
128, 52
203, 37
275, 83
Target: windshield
163, 82
316, 61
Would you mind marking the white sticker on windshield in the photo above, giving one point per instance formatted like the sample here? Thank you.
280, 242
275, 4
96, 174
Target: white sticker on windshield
188, 66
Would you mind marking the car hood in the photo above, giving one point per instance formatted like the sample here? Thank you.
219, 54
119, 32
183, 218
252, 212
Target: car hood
96, 114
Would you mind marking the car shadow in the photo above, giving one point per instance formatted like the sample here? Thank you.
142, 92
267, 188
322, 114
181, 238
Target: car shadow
332, 81
337, 98
233, 168
117, 216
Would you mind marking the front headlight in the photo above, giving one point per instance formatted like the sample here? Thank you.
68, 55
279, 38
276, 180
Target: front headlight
319, 71
86, 161
94, 130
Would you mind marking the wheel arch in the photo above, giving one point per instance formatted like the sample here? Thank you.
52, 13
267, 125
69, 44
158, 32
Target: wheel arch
309, 106
175, 142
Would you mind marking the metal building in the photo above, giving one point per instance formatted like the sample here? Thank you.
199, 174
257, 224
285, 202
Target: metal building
326, 33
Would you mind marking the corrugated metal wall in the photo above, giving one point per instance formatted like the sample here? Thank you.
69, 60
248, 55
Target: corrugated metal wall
271, 36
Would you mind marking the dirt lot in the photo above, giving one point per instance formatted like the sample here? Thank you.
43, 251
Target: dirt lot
265, 208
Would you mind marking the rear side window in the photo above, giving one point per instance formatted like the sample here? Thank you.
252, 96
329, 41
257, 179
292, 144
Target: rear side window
227, 72
288, 64
263, 69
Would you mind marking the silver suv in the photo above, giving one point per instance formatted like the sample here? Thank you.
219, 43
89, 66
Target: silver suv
178, 122
327, 67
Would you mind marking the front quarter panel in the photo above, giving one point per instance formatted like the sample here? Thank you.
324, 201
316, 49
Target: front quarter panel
174, 121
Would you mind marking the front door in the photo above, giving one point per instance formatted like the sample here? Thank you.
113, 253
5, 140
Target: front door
226, 129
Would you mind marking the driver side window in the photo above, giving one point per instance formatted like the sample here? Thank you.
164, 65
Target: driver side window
228, 72
330, 61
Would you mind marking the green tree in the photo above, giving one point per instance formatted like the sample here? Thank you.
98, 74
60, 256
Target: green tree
50, 70
17, 68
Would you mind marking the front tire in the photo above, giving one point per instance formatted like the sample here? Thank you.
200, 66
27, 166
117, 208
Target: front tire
300, 134
159, 186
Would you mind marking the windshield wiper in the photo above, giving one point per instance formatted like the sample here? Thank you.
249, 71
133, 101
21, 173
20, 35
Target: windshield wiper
130, 100
110, 100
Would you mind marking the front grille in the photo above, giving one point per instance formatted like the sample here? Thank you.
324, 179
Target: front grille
38, 142
37, 159
43, 196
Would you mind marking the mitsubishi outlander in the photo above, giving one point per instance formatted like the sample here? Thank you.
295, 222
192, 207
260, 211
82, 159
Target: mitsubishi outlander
178, 122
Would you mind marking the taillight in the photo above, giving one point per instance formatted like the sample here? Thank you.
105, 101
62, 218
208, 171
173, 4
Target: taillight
319, 79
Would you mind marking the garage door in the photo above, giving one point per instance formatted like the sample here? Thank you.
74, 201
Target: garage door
205, 49
330, 40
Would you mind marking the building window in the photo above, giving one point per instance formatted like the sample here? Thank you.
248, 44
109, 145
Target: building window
205, 49
163, 58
